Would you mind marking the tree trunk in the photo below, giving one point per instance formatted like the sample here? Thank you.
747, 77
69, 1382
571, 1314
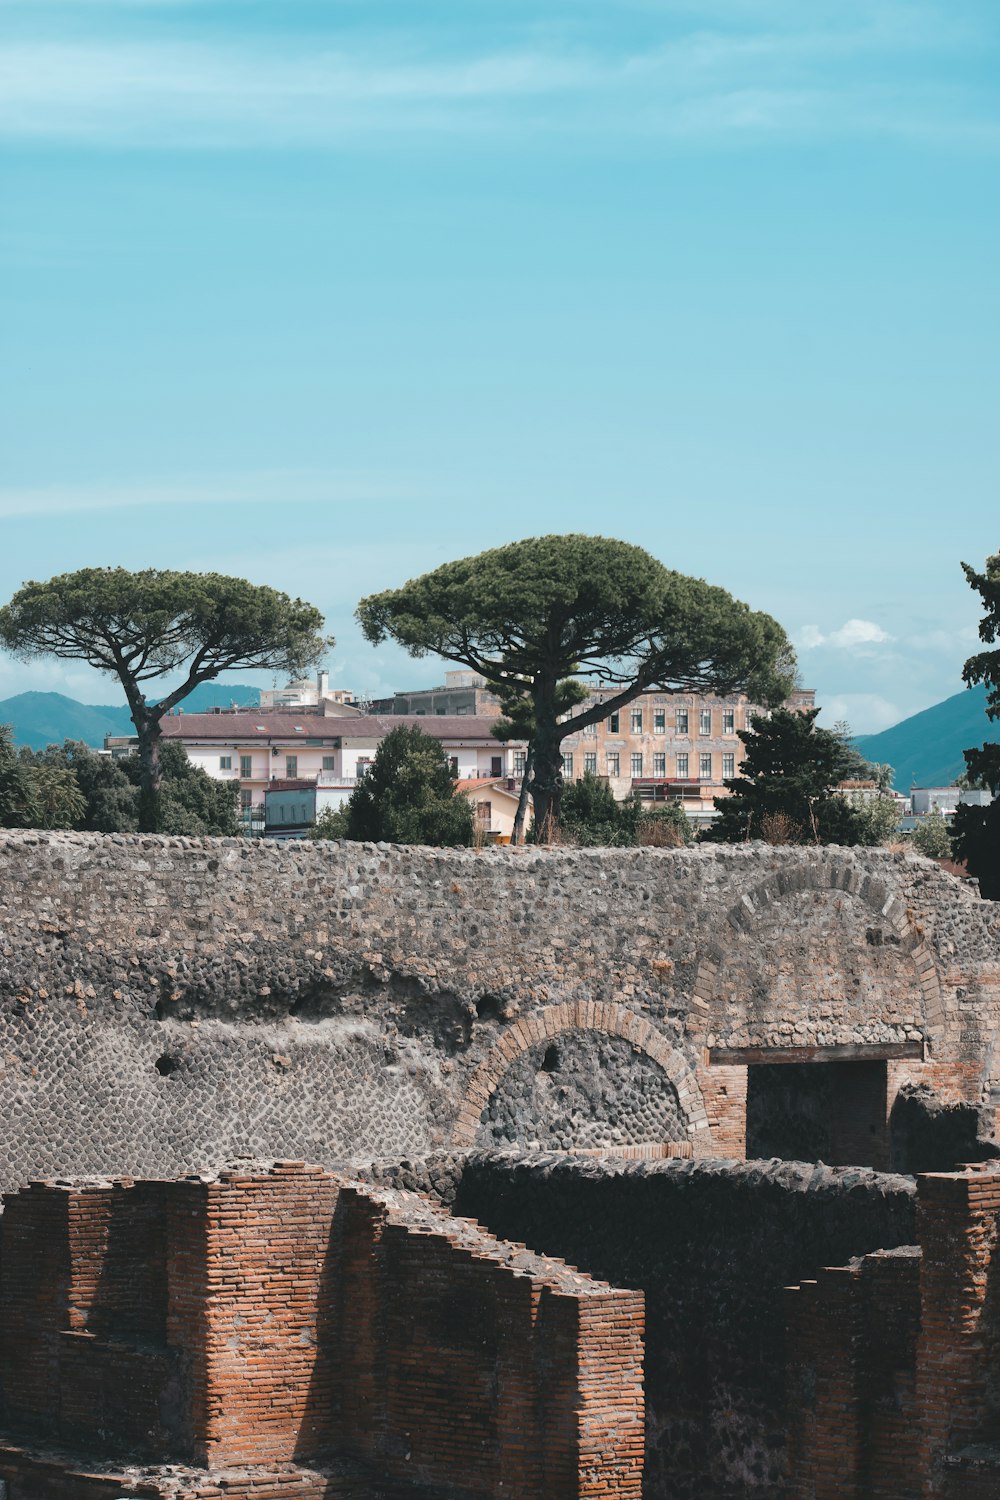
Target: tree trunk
517, 834
149, 775
547, 783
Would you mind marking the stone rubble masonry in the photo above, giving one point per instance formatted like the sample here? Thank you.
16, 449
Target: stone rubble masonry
239, 1333
173, 1003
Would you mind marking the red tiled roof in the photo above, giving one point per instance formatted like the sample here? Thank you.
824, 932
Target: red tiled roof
480, 783
288, 728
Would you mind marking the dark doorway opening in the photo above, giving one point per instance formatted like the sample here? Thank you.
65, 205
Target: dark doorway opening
835, 1112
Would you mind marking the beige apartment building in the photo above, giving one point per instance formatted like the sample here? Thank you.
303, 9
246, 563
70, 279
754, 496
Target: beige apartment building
677, 747
667, 746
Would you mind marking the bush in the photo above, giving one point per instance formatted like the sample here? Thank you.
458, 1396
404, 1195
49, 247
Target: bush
666, 827
406, 797
932, 836
590, 815
191, 801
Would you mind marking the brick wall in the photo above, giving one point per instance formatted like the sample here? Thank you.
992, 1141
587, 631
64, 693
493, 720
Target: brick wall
851, 1351
468, 1362
267, 1289
958, 1356
894, 1376
712, 1245
84, 1357
280, 1318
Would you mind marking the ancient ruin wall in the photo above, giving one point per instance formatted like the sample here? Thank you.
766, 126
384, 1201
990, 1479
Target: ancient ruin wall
170, 1003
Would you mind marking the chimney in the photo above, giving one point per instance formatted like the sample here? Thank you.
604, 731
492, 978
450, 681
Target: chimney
322, 685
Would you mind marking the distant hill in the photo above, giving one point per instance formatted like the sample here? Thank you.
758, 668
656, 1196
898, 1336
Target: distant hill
926, 749
40, 719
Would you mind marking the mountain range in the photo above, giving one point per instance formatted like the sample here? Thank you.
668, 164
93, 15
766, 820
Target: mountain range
40, 719
924, 750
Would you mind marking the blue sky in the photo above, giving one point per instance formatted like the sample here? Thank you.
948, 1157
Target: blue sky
327, 293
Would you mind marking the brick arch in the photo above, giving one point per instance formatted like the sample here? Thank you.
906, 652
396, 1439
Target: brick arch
743, 916
583, 1015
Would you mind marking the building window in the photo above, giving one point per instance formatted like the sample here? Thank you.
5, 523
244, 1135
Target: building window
246, 766
246, 799
519, 760
590, 728
637, 721
613, 724
660, 721
496, 765
728, 721
590, 763
567, 767
614, 763
682, 766
659, 765
452, 761
291, 765
705, 721
364, 761
728, 767
225, 762
637, 763
682, 721
329, 763
705, 766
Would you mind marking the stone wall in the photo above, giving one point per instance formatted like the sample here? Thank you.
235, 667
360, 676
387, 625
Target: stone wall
169, 1004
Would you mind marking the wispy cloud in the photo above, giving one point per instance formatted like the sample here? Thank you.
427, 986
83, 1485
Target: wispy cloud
866, 713
856, 69
853, 635
275, 487
205, 95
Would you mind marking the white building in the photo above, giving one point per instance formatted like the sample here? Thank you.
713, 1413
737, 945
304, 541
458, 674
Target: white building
945, 799
308, 692
258, 749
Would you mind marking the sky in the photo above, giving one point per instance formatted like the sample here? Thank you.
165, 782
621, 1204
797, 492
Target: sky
324, 293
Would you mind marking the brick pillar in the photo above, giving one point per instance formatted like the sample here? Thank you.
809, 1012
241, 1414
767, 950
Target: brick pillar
890, 1323
360, 1390
267, 1396
958, 1392
186, 1220
724, 1090
558, 1337
34, 1292
611, 1397
802, 1343
520, 1435
824, 1411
